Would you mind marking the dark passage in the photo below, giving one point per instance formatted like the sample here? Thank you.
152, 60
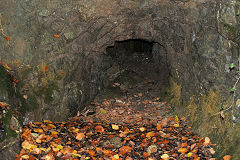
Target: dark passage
138, 66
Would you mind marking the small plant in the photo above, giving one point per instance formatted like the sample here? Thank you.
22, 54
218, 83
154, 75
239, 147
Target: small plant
232, 67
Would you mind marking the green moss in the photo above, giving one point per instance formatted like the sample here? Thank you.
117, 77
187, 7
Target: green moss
222, 132
232, 30
46, 91
24, 71
8, 131
5, 82
173, 93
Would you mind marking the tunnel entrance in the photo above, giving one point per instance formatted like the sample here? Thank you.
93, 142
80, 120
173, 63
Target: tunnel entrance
137, 66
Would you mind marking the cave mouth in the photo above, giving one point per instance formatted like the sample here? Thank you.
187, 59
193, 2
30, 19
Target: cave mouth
137, 66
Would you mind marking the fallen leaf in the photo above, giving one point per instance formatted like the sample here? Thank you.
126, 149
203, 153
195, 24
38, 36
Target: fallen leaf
150, 134
56, 36
165, 156
125, 149
91, 152
227, 157
159, 126
99, 128
115, 127
142, 129
212, 151
206, 141
25, 157
80, 136
182, 150
7, 38
152, 148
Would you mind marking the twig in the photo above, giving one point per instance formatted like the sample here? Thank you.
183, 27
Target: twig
234, 95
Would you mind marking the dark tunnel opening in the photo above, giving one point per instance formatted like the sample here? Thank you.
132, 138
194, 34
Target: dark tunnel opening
137, 66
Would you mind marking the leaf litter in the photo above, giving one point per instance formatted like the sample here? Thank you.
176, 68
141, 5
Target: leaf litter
134, 127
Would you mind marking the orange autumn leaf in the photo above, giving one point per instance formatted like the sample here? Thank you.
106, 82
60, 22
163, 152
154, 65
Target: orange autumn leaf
80, 136
54, 132
182, 150
128, 158
46, 69
94, 142
15, 80
99, 128
38, 130
7, 38
56, 36
184, 138
2, 104
163, 142
227, 157
159, 126
146, 154
184, 145
171, 118
98, 149
69, 142
150, 134
91, 152
125, 149
106, 152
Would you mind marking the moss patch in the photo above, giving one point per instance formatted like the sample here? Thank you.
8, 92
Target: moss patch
5, 82
173, 93
8, 131
222, 132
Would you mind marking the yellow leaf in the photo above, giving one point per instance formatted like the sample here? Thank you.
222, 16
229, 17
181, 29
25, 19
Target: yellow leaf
116, 156
51, 125
75, 130
176, 125
164, 156
142, 129
25, 157
7, 67
60, 147
47, 121
189, 154
74, 151
115, 127
176, 119
55, 149
38, 140
77, 155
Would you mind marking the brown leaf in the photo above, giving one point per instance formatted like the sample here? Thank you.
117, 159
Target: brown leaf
125, 149
99, 128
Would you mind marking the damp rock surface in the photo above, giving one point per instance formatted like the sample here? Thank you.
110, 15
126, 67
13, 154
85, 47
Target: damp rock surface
59, 51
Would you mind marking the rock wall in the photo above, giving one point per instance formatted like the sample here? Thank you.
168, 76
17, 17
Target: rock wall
56, 49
